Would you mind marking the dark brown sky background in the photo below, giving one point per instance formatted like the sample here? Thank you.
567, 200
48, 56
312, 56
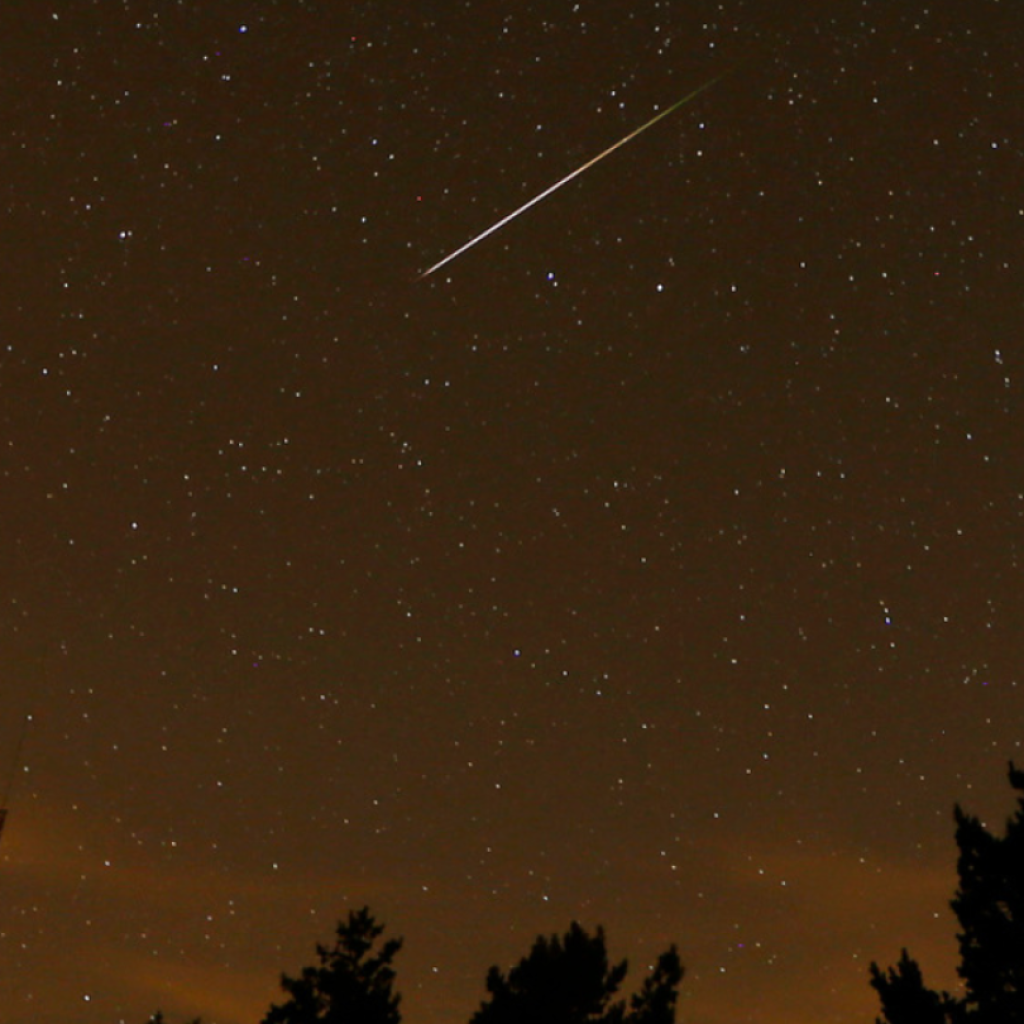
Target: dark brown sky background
655, 564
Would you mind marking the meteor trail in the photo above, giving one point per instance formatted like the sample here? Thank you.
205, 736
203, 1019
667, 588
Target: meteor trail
574, 174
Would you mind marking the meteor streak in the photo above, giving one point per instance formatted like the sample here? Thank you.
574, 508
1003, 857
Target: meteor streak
574, 174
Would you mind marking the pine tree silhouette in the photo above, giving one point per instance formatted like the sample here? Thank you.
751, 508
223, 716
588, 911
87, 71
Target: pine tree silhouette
569, 981
989, 904
351, 985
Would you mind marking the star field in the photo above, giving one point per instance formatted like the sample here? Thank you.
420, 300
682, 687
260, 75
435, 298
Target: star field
655, 563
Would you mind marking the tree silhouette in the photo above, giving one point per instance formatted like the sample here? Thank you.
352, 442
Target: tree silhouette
351, 985
905, 1000
989, 904
655, 1003
569, 981
990, 907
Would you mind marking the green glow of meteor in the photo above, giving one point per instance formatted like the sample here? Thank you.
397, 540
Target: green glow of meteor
574, 174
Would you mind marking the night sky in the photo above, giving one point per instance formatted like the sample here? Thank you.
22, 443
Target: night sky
656, 563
